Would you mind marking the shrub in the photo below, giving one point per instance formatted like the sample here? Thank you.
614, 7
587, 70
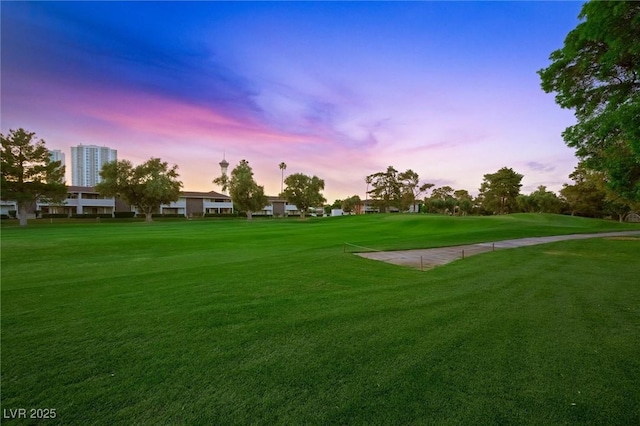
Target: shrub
221, 215
92, 216
122, 215
161, 215
55, 215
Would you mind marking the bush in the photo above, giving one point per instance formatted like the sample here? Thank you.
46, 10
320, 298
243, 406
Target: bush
92, 216
123, 215
221, 215
5, 216
160, 215
55, 215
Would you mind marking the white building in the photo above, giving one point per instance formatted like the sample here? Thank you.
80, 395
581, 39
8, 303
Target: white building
87, 161
80, 200
57, 155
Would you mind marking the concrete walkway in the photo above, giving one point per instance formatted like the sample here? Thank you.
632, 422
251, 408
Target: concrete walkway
429, 258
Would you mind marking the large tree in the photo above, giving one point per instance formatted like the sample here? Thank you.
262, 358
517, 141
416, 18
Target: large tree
410, 189
591, 196
585, 197
245, 192
597, 74
464, 201
441, 200
351, 204
28, 174
146, 186
499, 191
304, 191
540, 201
385, 189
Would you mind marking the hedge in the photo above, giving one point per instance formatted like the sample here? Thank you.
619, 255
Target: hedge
221, 215
55, 215
121, 215
161, 215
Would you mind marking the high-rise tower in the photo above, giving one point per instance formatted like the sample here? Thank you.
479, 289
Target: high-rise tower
224, 166
57, 155
87, 161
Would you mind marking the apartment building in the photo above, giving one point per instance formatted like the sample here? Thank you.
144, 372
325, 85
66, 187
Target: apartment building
86, 163
58, 155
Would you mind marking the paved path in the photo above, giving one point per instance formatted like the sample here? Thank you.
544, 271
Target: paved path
429, 258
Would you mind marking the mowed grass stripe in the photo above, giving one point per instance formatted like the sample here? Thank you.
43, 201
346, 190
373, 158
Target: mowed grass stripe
277, 325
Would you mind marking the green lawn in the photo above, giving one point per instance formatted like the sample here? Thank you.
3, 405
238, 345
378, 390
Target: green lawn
270, 322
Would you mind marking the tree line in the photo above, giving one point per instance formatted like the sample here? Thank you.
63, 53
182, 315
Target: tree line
499, 193
29, 175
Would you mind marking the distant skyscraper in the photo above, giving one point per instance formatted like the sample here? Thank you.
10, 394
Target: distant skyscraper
87, 161
57, 155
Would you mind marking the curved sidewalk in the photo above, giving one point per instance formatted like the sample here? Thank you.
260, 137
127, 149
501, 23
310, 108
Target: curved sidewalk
429, 258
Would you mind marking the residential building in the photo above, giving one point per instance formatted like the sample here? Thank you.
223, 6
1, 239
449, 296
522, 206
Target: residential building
83, 200
278, 207
86, 163
195, 204
80, 200
8, 206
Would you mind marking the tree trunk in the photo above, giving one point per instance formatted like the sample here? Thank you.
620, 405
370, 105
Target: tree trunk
249, 215
22, 216
23, 212
148, 217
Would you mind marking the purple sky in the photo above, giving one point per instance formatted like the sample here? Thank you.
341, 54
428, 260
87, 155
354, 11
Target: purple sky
334, 89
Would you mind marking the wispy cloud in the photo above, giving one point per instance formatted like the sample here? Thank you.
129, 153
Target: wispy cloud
540, 167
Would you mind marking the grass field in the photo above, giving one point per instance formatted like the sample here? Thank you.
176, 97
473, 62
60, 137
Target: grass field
270, 322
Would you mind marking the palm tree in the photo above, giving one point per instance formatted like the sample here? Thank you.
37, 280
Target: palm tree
368, 180
283, 167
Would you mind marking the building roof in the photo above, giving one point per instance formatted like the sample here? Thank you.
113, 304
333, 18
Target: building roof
196, 194
185, 194
273, 198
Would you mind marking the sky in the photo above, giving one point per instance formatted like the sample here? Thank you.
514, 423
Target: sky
339, 90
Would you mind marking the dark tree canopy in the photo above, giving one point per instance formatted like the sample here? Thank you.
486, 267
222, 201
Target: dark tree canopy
28, 174
304, 191
597, 74
591, 196
499, 191
246, 194
385, 189
351, 204
540, 201
395, 189
146, 186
